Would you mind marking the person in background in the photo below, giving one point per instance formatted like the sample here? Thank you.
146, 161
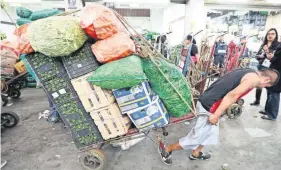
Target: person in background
270, 44
162, 45
273, 93
212, 103
220, 52
194, 49
243, 41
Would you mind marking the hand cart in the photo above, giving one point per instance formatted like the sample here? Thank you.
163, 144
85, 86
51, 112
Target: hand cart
12, 87
93, 158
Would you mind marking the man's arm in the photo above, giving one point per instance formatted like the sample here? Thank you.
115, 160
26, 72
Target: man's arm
231, 97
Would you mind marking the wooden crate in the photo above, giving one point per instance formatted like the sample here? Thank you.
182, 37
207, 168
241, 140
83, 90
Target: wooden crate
20, 67
110, 122
92, 97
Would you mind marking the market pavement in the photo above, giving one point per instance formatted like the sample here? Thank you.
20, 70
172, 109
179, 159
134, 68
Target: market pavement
247, 143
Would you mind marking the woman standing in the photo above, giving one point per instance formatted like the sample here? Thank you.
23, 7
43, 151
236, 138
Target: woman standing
269, 45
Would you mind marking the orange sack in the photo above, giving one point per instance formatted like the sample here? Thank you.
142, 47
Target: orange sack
113, 48
99, 22
23, 44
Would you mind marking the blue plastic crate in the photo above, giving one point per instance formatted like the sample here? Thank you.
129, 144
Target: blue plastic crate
154, 115
134, 97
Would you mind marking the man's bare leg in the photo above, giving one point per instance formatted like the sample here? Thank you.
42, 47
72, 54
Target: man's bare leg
197, 151
173, 147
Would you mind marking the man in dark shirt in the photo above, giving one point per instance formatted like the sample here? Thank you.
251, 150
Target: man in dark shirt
212, 104
220, 53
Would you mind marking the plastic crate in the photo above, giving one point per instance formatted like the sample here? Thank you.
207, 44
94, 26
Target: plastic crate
72, 113
60, 90
83, 130
85, 134
46, 68
80, 62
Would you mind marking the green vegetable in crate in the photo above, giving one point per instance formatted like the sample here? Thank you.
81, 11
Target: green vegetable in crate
56, 36
175, 105
126, 72
23, 12
44, 14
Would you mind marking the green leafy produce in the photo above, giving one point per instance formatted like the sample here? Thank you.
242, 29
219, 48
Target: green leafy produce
59, 89
45, 67
23, 12
44, 14
83, 130
175, 105
126, 72
56, 36
22, 21
73, 113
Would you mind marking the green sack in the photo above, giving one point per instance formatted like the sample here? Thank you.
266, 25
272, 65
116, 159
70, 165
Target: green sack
22, 21
23, 12
44, 14
126, 72
175, 105
56, 36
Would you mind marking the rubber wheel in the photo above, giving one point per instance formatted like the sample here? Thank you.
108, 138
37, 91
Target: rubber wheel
93, 160
15, 94
241, 102
11, 119
4, 100
234, 111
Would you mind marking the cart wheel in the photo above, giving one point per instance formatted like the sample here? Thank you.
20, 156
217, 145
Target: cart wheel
165, 133
93, 160
4, 100
241, 102
9, 119
234, 111
15, 94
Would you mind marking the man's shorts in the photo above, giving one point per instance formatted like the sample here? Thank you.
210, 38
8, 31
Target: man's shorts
203, 133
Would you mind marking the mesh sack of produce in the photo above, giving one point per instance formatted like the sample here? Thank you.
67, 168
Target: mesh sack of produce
7, 51
126, 72
44, 14
23, 43
22, 21
56, 36
23, 12
176, 105
99, 22
113, 48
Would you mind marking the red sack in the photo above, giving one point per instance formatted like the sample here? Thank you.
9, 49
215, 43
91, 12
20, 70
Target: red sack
99, 22
23, 44
113, 48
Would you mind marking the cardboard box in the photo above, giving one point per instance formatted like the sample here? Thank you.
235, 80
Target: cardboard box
134, 97
110, 122
151, 116
92, 97
20, 67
